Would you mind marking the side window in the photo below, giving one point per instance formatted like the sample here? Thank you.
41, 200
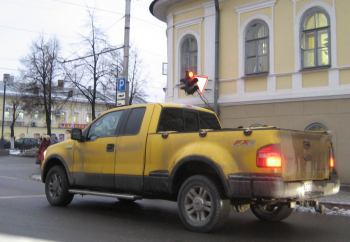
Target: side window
208, 121
134, 121
105, 126
191, 121
171, 120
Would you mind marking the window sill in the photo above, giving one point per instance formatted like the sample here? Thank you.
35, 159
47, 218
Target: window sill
315, 69
255, 75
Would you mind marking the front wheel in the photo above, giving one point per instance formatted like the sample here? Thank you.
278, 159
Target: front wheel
271, 212
200, 205
56, 187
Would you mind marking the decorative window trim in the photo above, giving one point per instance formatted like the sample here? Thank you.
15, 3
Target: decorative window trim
330, 10
256, 40
311, 12
178, 56
312, 126
241, 40
255, 6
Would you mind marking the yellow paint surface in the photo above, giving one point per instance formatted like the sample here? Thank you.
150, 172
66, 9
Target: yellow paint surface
284, 37
255, 84
284, 82
188, 15
344, 77
315, 79
343, 35
300, 4
227, 88
249, 15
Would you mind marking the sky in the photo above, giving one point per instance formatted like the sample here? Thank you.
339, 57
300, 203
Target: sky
22, 21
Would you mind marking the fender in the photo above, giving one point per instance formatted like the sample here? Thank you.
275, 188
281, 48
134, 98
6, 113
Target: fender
47, 164
205, 160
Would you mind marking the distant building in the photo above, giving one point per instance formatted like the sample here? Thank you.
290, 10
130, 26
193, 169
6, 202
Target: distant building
73, 112
284, 63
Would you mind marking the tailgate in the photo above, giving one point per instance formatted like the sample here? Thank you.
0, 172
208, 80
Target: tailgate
306, 155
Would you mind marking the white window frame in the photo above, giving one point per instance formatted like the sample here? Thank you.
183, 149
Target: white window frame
310, 12
330, 10
268, 48
241, 50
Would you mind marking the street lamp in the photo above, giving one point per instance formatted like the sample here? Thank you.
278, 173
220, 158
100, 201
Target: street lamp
5, 79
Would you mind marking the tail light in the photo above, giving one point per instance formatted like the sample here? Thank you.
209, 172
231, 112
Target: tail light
269, 157
331, 159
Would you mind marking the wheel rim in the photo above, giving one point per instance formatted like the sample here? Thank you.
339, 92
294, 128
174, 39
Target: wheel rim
198, 204
55, 186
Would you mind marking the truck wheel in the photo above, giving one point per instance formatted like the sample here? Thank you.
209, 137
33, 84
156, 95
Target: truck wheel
273, 213
200, 205
56, 187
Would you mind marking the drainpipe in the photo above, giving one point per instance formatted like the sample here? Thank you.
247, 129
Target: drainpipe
217, 49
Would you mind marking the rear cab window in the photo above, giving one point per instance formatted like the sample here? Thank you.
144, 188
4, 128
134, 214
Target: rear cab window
186, 120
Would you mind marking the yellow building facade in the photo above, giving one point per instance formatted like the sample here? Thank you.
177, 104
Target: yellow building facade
281, 62
75, 112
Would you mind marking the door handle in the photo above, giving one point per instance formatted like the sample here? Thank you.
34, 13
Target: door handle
110, 148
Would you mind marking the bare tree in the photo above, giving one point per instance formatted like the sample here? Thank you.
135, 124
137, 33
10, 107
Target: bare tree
41, 67
91, 74
137, 82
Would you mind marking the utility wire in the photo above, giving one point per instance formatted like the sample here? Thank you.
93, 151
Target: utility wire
87, 56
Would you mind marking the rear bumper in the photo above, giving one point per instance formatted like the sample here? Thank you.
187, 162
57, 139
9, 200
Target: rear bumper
272, 186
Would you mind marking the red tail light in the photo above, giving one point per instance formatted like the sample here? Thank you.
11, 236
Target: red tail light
331, 159
269, 157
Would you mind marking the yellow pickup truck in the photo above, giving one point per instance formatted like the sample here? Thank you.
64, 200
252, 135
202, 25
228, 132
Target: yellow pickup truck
181, 153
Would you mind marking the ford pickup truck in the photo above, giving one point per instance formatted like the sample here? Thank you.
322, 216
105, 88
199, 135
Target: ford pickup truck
181, 153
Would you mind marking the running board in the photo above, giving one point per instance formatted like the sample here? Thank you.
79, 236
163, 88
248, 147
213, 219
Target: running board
105, 194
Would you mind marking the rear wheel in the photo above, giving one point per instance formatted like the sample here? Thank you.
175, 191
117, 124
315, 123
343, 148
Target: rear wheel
56, 187
200, 205
271, 212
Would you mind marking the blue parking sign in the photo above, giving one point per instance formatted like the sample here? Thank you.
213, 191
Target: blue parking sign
121, 84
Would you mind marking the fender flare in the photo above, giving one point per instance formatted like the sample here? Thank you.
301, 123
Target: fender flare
205, 160
47, 164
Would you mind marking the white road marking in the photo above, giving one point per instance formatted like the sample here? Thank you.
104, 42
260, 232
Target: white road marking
7, 237
22, 196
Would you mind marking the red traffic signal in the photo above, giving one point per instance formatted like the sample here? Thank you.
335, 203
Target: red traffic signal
191, 83
188, 84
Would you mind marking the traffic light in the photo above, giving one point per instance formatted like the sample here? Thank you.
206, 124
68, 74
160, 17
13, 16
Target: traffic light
189, 83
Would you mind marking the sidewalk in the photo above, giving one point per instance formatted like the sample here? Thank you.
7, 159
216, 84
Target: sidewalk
340, 200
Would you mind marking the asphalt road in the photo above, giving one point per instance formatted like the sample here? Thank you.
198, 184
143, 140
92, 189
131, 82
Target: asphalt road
25, 215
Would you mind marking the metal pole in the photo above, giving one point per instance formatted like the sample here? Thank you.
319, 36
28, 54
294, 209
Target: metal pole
6, 76
217, 59
126, 49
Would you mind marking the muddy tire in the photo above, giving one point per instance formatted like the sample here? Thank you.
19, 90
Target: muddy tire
201, 207
272, 213
56, 187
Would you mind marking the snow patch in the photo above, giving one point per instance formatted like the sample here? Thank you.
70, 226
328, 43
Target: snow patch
334, 211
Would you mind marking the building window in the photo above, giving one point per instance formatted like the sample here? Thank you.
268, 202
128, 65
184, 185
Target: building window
189, 54
36, 115
316, 127
62, 117
315, 39
7, 113
75, 117
88, 117
256, 48
20, 115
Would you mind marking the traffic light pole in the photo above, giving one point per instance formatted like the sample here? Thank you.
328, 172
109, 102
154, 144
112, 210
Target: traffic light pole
126, 49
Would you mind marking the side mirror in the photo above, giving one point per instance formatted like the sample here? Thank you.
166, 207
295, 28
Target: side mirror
77, 134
